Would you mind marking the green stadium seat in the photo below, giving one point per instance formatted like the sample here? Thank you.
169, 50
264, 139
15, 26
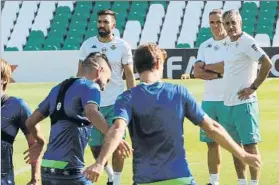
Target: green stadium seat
59, 31
164, 3
249, 6
63, 10
11, 49
81, 16
32, 47
121, 6
268, 4
75, 33
78, 25
139, 6
59, 25
248, 29
83, 6
248, 21
263, 28
204, 31
121, 17
73, 40
268, 21
183, 45
53, 40
102, 5
51, 47
140, 16
70, 47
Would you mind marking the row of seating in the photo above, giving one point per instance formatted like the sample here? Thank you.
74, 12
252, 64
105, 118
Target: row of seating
52, 25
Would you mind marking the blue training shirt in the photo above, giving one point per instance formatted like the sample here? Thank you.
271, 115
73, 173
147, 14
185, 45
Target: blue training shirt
155, 114
67, 141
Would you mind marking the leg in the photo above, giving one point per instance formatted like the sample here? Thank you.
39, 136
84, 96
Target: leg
214, 158
240, 168
214, 152
253, 149
247, 122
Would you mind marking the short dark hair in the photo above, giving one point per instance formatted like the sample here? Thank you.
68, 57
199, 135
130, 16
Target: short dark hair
92, 59
216, 11
146, 55
107, 12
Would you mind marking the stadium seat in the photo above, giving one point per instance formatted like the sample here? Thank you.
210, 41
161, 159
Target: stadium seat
231, 5
171, 25
120, 6
44, 15
183, 45
132, 33
7, 19
69, 4
100, 5
252, 3
209, 6
154, 19
276, 40
263, 40
191, 22
24, 22
11, 49
163, 3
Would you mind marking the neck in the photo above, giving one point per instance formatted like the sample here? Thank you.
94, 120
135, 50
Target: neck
235, 37
88, 77
149, 77
106, 39
220, 37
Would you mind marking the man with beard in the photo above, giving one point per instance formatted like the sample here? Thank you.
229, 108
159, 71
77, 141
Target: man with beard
210, 67
120, 58
242, 81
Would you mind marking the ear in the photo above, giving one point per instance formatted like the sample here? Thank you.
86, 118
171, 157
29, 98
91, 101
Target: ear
157, 63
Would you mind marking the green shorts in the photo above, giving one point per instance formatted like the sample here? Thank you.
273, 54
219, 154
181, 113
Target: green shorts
97, 138
243, 125
217, 111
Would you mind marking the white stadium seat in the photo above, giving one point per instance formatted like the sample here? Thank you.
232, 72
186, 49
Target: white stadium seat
7, 19
263, 40
209, 6
132, 33
232, 5
276, 35
191, 22
23, 24
171, 25
45, 14
152, 24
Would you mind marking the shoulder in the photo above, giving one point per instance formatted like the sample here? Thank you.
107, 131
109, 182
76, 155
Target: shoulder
208, 43
20, 103
126, 96
89, 41
247, 39
121, 42
86, 84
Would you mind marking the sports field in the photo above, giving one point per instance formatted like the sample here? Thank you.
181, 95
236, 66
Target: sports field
196, 152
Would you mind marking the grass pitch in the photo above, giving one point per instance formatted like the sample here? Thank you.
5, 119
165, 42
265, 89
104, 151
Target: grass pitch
268, 96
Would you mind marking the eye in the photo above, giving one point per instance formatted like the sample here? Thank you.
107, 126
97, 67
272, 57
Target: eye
211, 22
108, 80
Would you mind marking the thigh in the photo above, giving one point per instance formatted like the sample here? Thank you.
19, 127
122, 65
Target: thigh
230, 125
247, 122
209, 109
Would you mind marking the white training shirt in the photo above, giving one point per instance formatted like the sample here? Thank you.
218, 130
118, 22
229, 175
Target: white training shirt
212, 51
241, 65
118, 53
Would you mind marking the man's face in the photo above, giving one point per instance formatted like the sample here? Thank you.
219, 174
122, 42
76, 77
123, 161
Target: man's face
232, 24
103, 76
216, 26
106, 24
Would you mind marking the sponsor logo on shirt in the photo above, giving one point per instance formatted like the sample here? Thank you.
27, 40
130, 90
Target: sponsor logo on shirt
94, 46
255, 47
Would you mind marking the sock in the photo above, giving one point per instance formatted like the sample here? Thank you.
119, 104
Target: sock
242, 182
116, 178
254, 182
109, 171
214, 179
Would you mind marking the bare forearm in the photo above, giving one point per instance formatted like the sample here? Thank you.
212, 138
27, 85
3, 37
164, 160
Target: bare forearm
205, 75
264, 71
217, 67
112, 140
35, 170
131, 82
35, 131
220, 135
98, 121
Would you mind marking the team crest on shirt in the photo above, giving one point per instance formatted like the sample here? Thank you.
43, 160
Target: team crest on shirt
209, 46
104, 50
216, 48
113, 47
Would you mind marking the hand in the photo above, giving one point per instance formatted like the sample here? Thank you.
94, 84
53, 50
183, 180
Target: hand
93, 172
33, 153
124, 149
34, 182
252, 160
245, 93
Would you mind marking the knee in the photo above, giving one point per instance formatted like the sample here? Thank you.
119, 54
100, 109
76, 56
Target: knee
251, 148
96, 151
117, 156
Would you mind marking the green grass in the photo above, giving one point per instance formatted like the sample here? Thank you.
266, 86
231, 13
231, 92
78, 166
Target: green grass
196, 151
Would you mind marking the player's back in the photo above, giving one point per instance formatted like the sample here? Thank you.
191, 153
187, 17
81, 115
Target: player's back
156, 129
68, 137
